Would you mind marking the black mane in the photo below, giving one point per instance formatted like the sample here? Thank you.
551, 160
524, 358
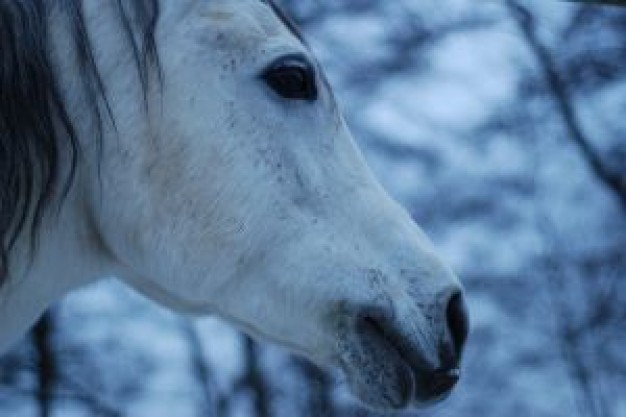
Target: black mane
34, 124
35, 127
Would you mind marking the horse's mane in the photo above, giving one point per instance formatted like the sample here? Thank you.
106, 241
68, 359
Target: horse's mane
35, 126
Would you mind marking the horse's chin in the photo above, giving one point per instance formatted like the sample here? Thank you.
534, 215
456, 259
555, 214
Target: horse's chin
383, 380
390, 390
397, 390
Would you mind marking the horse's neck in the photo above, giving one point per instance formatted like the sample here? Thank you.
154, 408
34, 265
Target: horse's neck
66, 258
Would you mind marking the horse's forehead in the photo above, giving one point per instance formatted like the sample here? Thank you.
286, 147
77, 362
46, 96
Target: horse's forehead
237, 29
246, 17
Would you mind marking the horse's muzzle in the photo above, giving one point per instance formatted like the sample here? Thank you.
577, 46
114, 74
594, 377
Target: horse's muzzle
420, 378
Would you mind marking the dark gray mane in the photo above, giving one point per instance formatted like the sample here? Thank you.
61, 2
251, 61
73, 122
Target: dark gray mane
34, 124
35, 127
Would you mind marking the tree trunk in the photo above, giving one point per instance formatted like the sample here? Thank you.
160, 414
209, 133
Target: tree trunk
211, 403
319, 401
43, 342
254, 379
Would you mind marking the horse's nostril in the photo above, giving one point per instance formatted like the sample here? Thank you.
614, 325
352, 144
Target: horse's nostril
374, 322
379, 327
458, 322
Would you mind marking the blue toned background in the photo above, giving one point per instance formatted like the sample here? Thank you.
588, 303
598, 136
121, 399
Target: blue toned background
501, 126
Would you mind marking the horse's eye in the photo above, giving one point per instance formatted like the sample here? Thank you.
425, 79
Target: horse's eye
293, 78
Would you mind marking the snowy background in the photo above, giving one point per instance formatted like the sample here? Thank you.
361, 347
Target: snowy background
501, 126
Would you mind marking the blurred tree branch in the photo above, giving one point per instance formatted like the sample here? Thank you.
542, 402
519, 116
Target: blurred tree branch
573, 336
614, 181
319, 401
78, 391
253, 379
52, 382
212, 404
43, 342
408, 38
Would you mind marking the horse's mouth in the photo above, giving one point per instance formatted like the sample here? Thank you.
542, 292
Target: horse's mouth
383, 375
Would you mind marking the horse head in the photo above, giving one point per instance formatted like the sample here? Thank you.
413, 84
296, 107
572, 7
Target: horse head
225, 181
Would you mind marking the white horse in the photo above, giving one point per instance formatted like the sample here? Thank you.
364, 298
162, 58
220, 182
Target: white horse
193, 148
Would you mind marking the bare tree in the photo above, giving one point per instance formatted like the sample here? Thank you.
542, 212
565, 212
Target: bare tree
560, 274
253, 380
613, 181
212, 403
53, 382
583, 289
319, 398
43, 341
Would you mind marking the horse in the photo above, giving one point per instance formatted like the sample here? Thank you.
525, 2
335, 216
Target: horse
194, 150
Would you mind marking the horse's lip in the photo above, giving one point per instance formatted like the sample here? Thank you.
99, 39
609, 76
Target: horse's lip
430, 384
412, 374
407, 375
404, 377
400, 373
420, 394
426, 391
407, 386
